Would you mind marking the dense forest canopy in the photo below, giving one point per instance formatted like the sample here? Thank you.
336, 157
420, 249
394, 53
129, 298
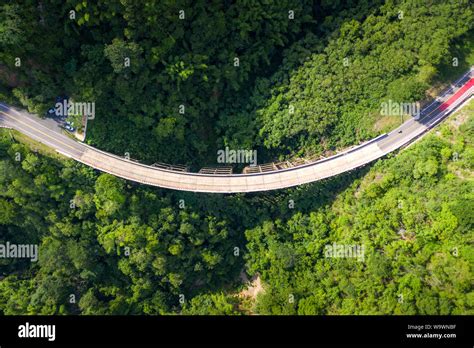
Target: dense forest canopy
129, 249
203, 75
107, 246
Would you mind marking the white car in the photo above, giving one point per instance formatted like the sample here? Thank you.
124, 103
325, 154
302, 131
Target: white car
69, 128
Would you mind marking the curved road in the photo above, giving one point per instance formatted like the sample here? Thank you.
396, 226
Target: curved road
47, 132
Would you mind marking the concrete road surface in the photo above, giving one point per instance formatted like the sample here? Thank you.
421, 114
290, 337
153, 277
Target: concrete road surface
47, 133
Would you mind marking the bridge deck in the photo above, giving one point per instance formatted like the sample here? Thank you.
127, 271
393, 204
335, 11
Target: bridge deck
260, 178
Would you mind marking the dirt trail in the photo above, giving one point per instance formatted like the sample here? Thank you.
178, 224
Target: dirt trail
254, 286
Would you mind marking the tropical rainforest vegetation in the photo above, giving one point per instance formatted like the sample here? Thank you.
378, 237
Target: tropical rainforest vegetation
289, 78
